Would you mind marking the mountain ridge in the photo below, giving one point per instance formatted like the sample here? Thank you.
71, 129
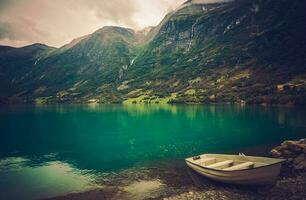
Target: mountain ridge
237, 52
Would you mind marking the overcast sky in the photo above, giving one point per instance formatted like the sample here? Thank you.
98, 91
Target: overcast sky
56, 22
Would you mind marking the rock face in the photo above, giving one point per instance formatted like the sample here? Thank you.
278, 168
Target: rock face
294, 152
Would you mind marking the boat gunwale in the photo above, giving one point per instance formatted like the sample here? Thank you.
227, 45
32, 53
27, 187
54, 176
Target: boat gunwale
221, 170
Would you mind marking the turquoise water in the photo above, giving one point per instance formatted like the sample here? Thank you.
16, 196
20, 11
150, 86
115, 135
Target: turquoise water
54, 150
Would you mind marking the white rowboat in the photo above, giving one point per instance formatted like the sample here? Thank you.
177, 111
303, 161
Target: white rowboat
237, 169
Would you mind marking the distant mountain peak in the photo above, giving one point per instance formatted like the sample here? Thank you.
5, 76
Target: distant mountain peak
74, 42
36, 45
145, 30
117, 29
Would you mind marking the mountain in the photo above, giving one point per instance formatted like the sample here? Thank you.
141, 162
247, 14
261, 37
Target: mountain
82, 70
243, 51
15, 67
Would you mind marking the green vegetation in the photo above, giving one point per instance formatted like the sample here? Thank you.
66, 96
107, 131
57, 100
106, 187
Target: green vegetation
148, 99
42, 100
238, 52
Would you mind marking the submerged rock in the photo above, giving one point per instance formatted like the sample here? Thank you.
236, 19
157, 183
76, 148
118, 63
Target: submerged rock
294, 152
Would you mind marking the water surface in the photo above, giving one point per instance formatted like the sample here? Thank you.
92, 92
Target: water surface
53, 150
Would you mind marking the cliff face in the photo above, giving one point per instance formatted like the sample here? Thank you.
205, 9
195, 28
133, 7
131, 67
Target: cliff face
245, 51
241, 51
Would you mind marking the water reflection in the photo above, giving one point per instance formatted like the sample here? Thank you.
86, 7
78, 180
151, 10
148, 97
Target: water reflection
112, 137
22, 179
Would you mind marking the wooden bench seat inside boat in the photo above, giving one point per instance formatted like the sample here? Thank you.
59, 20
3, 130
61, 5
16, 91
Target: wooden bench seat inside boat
246, 165
207, 161
221, 165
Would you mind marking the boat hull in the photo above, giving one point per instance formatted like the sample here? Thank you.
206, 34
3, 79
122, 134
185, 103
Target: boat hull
266, 175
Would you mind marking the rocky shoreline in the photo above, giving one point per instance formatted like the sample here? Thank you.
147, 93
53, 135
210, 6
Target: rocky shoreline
294, 152
177, 182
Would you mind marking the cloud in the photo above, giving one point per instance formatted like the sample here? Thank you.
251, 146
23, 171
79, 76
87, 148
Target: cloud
6, 31
56, 22
115, 10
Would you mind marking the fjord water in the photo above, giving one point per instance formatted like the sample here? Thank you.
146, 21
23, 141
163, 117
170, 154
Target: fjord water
53, 150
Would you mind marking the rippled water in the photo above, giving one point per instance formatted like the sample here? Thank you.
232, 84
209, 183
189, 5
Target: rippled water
54, 150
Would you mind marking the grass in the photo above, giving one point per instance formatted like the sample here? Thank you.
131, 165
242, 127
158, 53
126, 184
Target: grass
41, 100
150, 99
190, 92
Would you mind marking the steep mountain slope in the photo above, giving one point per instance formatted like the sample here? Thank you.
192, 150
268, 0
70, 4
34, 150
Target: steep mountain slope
246, 51
80, 69
15, 65
99, 58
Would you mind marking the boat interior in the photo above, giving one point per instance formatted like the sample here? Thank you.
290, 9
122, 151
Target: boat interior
227, 163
